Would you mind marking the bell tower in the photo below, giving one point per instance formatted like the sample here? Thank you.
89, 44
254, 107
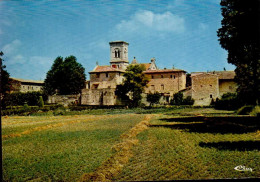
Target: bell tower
119, 54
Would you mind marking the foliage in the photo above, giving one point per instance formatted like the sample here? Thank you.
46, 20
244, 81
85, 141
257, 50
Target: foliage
153, 98
65, 77
40, 102
228, 101
19, 98
255, 111
133, 85
239, 35
5, 85
188, 80
179, 100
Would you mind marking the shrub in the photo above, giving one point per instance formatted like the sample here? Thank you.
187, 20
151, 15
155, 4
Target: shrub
16, 99
255, 111
228, 101
179, 100
153, 98
40, 102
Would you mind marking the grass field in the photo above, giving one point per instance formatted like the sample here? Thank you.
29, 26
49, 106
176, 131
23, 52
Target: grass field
64, 148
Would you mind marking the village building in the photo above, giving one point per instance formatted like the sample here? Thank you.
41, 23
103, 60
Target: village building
21, 85
206, 87
100, 89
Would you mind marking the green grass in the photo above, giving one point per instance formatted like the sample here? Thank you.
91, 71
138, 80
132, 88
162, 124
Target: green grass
175, 150
63, 153
166, 153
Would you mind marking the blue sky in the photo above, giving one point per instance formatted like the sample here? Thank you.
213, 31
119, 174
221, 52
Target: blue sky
179, 33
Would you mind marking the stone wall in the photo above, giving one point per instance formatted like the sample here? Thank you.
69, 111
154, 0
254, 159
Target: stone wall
168, 83
205, 87
226, 86
98, 97
64, 99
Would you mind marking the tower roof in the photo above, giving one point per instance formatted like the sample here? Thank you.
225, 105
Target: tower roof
118, 41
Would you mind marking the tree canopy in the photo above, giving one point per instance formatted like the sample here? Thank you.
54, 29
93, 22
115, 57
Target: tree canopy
153, 98
240, 36
5, 85
133, 85
65, 77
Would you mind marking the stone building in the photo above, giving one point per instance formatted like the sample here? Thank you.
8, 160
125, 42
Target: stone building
21, 85
208, 86
100, 89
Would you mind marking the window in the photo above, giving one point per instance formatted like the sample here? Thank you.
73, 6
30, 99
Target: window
174, 76
161, 76
97, 75
210, 96
171, 76
117, 53
95, 86
106, 74
152, 77
210, 85
162, 87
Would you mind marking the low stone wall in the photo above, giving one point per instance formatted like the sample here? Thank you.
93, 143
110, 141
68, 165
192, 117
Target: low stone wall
64, 99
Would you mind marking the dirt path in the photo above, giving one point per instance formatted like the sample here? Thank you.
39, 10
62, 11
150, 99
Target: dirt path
113, 165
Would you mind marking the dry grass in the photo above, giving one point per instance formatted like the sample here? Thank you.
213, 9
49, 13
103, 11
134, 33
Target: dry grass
113, 166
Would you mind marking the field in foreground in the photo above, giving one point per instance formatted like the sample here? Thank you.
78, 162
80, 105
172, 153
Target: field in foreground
63, 148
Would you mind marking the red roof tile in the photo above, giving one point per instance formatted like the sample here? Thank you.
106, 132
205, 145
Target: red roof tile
99, 69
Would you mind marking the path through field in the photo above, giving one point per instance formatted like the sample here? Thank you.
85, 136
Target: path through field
126, 147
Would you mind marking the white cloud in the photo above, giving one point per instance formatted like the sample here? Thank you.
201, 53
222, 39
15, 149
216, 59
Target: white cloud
148, 22
11, 48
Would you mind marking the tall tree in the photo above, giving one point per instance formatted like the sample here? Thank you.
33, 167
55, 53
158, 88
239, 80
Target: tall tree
65, 77
240, 36
4, 76
133, 85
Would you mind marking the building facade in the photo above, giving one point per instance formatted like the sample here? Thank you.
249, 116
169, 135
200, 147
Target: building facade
21, 85
208, 86
100, 89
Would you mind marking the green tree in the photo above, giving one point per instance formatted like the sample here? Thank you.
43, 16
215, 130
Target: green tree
153, 98
4, 75
65, 77
40, 102
240, 36
133, 85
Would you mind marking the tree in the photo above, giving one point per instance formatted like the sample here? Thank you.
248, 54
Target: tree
4, 75
153, 98
240, 36
133, 85
65, 77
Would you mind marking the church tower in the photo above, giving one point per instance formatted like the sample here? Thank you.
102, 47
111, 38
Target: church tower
119, 54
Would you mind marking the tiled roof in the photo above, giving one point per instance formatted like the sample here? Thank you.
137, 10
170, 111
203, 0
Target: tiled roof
99, 69
164, 71
27, 81
146, 65
222, 75
225, 75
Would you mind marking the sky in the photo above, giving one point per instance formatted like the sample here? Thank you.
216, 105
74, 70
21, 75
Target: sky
177, 33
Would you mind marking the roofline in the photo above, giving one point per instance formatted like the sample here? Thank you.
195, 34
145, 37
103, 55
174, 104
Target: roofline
163, 71
106, 71
118, 41
27, 81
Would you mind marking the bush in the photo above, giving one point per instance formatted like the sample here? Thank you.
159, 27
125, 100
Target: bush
153, 98
179, 100
16, 99
228, 101
40, 102
255, 111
